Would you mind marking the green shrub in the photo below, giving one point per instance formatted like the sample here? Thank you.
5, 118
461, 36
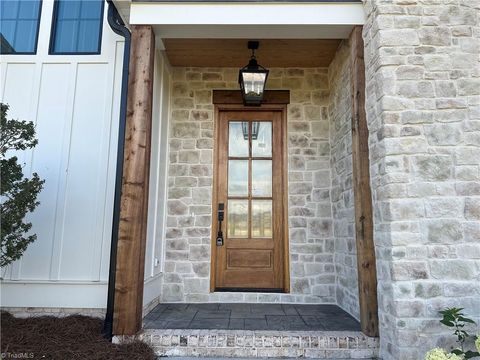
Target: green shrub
18, 194
457, 320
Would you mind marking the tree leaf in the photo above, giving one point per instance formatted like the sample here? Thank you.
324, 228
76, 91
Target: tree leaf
447, 322
471, 354
449, 317
467, 320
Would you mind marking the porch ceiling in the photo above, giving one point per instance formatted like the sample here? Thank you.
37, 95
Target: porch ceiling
234, 52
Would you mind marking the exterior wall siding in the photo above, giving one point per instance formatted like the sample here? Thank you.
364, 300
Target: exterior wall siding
423, 93
74, 102
157, 198
312, 245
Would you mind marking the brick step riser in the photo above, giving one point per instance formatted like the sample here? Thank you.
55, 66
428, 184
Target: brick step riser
261, 344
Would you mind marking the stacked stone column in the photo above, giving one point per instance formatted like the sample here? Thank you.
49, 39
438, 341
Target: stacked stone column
423, 95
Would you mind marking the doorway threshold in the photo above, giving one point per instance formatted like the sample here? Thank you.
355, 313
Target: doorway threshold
250, 290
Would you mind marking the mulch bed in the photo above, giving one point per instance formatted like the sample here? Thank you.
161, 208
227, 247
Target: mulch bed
64, 338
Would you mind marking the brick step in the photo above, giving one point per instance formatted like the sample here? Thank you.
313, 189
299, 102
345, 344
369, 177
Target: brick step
235, 358
260, 343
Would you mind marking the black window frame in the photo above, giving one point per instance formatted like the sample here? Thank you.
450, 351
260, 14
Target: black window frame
39, 19
53, 32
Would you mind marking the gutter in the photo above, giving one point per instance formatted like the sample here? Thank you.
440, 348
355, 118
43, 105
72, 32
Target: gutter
118, 27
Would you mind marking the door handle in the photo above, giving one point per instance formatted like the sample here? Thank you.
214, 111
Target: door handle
221, 211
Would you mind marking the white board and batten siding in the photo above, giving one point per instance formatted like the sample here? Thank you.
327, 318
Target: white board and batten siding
74, 101
154, 253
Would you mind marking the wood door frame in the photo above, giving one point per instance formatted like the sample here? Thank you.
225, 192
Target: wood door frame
281, 107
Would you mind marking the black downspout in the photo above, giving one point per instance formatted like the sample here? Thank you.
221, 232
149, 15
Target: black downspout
118, 26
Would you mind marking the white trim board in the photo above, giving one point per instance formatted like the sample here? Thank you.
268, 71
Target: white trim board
52, 295
151, 289
246, 14
249, 20
250, 32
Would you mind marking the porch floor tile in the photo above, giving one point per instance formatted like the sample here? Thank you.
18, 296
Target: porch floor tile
285, 317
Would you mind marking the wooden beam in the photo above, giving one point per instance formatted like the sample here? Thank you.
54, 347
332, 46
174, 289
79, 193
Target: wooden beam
136, 167
235, 97
367, 273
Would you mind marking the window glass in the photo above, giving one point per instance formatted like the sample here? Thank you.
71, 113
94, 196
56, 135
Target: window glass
19, 21
261, 177
262, 138
77, 27
237, 177
238, 138
262, 218
237, 225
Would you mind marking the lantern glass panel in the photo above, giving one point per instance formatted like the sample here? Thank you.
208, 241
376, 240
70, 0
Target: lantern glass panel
254, 83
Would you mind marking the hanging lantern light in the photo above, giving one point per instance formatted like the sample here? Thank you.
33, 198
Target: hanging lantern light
252, 79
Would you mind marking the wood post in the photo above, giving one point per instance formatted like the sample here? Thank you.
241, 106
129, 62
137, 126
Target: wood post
136, 168
367, 272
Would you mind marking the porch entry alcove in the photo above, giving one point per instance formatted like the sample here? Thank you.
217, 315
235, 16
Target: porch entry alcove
250, 186
297, 227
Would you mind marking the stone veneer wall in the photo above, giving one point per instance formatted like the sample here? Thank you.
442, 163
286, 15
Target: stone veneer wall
187, 263
423, 96
340, 113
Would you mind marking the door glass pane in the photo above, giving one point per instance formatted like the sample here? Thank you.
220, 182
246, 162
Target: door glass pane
237, 219
262, 138
237, 177
238, 138
261, 177
262, 218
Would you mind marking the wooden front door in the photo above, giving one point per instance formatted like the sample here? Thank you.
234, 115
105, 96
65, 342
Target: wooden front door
250, 243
